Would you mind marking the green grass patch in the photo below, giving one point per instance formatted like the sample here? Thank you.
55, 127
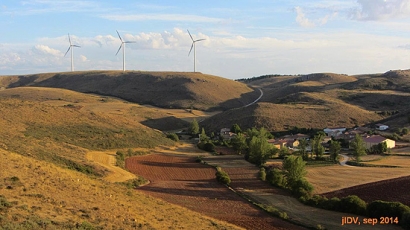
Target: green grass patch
360, 164
97, 137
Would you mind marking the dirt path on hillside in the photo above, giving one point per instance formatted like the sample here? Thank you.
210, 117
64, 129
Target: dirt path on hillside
107, 160
245, 180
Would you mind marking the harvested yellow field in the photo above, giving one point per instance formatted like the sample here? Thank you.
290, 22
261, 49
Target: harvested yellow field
331, 178
400, 161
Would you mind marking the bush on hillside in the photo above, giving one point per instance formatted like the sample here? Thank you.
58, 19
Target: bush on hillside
302, 188
276, 178
173, 136
262, 174
380, 208
353, 204
222, 176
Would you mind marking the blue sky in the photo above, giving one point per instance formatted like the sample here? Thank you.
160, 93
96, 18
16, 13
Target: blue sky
243, 38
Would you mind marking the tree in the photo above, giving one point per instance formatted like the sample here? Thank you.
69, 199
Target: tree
203, 137
405, 131
317, 146
358, 147
236, 129
259, 150
239, 143
194, 128
294, 169
283, 152
335, 148
302, 149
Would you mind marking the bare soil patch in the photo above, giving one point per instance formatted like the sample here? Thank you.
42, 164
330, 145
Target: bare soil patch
394, 190
181, 181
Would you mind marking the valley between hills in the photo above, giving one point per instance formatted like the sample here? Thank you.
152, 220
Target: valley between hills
61, 133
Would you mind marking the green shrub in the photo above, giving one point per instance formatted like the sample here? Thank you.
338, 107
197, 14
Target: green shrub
4, 204
262, 174
173, 136
405, 220
276, 177
222, 176
302, 188
380, 208
353, 204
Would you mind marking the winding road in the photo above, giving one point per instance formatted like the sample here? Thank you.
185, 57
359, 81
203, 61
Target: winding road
257, 99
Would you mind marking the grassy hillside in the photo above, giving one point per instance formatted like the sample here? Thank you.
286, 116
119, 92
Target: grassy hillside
46, 181
163, 89
277, 117
323, 100
39, 195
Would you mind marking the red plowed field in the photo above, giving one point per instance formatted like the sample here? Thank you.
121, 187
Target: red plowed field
387, 190
181, 181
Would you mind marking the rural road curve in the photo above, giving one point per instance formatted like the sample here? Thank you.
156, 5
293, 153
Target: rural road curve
345, 159
257, 99
107, 160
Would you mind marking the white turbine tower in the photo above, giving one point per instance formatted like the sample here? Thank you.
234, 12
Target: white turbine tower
123, 50
72, 56
193, 46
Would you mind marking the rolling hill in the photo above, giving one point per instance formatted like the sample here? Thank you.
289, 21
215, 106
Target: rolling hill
322, 100
162, 89
47, 180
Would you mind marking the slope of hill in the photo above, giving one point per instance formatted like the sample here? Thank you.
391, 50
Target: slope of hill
277, 117
46, 181
163, 89
323, 100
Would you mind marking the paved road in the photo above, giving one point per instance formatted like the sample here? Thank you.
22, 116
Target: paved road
256, 99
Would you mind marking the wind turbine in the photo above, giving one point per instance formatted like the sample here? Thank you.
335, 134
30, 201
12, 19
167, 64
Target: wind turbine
193, 46
72, 56
123, 50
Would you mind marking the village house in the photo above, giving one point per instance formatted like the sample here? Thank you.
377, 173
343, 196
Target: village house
278, 143
381, 127
226, 134
334, 132
376, 139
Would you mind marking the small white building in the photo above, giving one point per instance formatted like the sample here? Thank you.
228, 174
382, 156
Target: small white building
381, 127
334, 132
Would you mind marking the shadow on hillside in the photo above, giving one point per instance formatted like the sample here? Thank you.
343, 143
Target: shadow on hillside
166, 123
24, 81
210, 189
245, 99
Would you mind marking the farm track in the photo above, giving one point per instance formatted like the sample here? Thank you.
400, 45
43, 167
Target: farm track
107, 160
179, 180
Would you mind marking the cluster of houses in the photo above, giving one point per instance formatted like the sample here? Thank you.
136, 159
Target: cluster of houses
292, 141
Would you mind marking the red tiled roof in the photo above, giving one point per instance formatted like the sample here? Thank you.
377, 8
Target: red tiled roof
374, 139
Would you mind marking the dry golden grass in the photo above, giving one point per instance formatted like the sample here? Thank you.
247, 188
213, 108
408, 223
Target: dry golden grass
49, 193
332, 178
400, 161
163, 89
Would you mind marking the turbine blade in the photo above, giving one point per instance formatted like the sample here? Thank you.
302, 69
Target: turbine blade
200, 40
69, 39
190, 35
119, 49
130, 42
119, 35
76, 46
67, 50
192, 46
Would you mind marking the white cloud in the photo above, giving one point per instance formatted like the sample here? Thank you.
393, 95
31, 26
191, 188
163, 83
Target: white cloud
381, 9
301, 18
160, 17
43, 49
83, 58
